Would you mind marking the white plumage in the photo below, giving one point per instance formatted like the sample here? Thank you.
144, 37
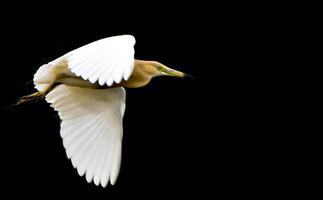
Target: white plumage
91, 125
91, 129
107, 60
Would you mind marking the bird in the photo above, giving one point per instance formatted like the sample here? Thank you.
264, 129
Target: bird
86, 87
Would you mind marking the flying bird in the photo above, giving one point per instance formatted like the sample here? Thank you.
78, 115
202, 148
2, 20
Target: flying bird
86, 87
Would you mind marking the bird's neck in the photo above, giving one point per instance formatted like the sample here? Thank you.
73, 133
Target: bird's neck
146, 68
142, 73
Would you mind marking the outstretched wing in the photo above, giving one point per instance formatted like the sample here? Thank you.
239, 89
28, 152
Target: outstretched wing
107, 60
91, 129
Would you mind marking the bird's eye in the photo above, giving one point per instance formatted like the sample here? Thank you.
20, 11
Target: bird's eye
159, 67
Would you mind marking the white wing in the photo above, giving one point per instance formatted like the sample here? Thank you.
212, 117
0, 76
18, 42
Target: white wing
91, 129
106, 61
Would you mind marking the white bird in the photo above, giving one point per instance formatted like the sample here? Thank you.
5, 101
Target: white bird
85, 87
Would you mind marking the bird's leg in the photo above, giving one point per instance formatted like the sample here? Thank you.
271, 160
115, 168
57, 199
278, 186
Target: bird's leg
39, 94
36, 95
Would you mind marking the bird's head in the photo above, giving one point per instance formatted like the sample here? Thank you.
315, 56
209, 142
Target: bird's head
162, 70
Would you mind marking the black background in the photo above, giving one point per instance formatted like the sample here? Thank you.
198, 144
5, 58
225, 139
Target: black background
208, 136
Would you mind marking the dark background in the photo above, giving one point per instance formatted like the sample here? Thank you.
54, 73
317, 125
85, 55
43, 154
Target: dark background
212, 135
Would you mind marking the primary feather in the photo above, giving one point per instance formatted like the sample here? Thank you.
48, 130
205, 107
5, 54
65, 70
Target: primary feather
107, 60
91, 129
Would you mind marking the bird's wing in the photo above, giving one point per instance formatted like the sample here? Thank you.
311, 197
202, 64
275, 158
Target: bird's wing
91, 129
107, 60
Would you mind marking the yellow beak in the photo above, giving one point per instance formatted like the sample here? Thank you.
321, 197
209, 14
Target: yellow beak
171, 72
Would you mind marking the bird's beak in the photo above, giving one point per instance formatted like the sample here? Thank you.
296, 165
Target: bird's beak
171, 72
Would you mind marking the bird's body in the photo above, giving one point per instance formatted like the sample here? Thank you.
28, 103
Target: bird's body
85, 86
143, 72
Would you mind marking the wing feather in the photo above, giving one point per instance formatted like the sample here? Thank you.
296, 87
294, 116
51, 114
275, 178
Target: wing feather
103, 61
91, 129
112, 56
